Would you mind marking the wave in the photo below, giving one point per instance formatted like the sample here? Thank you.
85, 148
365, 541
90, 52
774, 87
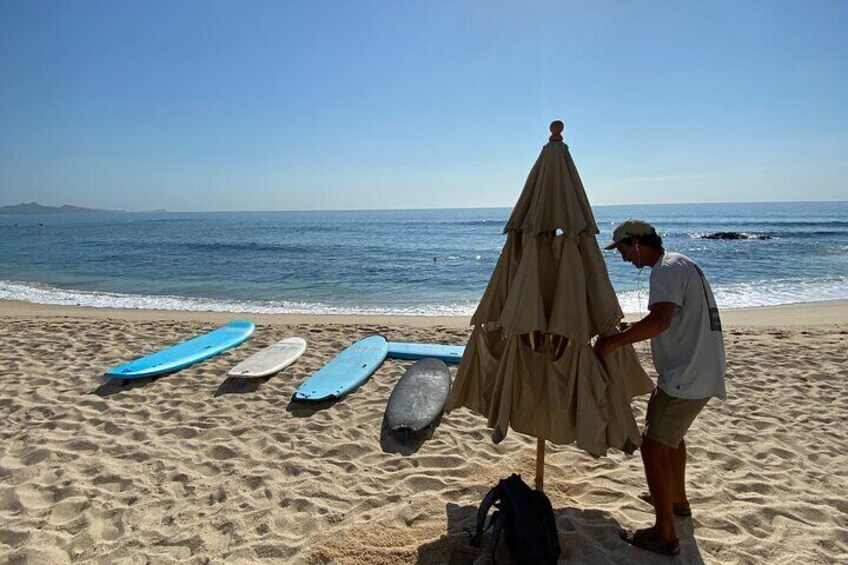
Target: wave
248, 246
40, 294
738, 295
730, 235
500, 222
771, 223
795, 223
757, 293
733, 235
211, 248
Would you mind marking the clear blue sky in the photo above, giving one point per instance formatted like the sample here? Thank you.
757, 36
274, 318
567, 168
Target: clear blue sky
190, 105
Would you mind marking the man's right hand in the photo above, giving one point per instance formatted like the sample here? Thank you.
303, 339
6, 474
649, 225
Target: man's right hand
605, 345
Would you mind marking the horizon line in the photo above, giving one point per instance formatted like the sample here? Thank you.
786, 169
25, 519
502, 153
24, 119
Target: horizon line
163, 210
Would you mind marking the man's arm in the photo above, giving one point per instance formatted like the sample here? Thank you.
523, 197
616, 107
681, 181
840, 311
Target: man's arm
652, 325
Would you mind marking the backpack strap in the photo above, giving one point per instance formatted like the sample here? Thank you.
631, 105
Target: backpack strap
482, 512
497, 524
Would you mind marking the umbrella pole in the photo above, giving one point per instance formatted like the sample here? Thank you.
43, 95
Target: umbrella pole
540, 465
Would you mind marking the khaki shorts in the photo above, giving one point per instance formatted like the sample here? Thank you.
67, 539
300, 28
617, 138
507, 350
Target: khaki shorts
669, 417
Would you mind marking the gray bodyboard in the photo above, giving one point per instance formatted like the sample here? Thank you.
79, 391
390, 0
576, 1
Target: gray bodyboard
419, 397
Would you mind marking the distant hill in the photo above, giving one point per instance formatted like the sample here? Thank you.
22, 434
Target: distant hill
32, 208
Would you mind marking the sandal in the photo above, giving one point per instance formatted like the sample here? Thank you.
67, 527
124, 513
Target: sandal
648, 540
678, 508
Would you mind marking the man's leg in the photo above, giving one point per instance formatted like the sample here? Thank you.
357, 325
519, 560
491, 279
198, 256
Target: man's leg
658, 471
677, 467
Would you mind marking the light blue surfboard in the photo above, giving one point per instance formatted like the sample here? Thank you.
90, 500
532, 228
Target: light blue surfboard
345, 371
415, 351
186, 353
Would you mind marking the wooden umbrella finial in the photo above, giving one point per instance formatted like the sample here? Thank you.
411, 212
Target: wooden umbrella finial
556, 130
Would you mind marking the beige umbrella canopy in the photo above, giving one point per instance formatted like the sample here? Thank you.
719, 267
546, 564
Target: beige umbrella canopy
529, 363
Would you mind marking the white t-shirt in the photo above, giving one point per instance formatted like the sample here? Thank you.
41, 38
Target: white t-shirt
689, 355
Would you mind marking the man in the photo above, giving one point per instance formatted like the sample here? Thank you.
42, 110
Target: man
688, 352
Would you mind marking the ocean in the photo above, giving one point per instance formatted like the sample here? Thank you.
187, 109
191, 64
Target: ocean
396, 262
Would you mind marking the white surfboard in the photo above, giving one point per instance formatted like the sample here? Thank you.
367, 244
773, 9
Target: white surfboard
270, 360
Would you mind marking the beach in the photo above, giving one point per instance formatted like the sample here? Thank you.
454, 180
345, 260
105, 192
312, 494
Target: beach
193, 468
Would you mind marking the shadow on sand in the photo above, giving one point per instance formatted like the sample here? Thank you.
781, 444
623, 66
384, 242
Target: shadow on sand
239, 385
453, 548
114, 386
305, 408
404, 442
575, 527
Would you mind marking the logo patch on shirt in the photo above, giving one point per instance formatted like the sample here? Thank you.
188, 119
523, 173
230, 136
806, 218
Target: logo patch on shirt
715, 320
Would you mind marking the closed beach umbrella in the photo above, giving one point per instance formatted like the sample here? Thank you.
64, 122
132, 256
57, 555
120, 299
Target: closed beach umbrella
529, 363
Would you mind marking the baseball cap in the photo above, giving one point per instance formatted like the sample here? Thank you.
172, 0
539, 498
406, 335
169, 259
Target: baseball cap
628, 229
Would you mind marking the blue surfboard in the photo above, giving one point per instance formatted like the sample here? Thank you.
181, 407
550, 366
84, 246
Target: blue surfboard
184, 354
415, 351
345, 371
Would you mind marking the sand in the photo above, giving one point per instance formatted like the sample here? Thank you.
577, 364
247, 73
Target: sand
192, 468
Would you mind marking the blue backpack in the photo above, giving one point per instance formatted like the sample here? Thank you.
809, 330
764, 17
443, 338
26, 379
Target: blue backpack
525, 517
